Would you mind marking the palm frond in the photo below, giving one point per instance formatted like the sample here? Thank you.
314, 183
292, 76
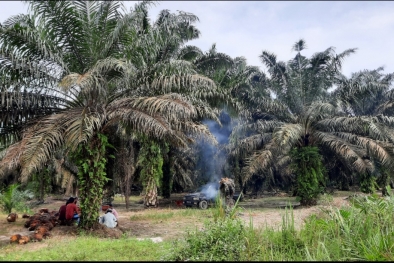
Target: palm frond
350, 153
287, 135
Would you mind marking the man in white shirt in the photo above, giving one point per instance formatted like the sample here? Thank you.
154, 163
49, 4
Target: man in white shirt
108, 219
113, 211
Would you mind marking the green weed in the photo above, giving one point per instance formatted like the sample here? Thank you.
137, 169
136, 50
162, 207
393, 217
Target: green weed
87, 248
168, 214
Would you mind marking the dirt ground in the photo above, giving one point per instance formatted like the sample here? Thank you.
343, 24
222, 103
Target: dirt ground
135, 223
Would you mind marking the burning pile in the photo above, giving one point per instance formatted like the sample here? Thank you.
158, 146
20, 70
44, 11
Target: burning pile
41, 223
227, 190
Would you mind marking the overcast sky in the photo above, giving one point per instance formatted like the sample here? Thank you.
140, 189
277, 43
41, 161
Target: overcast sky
246, 28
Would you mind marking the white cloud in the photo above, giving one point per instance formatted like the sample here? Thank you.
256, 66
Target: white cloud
249, 27
10, 8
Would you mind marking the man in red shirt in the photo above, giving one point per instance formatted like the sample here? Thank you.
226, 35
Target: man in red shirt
62, 211
72, 211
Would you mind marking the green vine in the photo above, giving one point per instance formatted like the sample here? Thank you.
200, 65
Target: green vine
91, 161
150, 159
309, 171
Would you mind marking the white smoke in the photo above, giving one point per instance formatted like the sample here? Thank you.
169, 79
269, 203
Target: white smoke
212, 160
210, 190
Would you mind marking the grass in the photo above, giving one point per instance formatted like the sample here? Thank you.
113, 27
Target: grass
169, 214
132, 198
90, 248
363, 231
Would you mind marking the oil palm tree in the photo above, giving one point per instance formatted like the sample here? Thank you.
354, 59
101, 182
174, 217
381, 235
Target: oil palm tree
368, 92
168, 34
240, 86
301, 116
91, 47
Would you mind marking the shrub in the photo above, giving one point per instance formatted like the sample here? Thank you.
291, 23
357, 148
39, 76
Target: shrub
220, 240
13, 198
367, 183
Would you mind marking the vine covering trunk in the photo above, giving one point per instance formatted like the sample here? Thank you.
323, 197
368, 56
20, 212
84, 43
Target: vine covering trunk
150, 160
92, 177
309, 171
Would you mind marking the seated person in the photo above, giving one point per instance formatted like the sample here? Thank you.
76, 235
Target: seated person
72, 211
113, 211
62, 212
109, 220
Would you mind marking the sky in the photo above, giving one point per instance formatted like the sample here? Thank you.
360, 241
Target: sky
246, 28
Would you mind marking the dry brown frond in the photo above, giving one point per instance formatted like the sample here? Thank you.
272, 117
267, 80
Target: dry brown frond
81, 124
251, 143
288, 134
259, 161
345, 151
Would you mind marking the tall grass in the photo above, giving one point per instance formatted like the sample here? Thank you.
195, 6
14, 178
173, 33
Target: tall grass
363, 231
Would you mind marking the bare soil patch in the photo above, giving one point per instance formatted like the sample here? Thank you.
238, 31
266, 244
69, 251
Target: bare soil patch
146, 223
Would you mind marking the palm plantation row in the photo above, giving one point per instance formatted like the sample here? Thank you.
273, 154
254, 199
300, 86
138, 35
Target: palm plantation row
99, 92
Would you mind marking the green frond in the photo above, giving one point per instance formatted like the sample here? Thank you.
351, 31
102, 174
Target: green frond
173, 105
199, 86
382, 151
263, 126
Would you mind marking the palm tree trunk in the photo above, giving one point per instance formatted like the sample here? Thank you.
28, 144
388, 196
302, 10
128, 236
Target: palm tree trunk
127, 161
168, 174
151, 193
42, 187
151, 161
92, 178
69, 188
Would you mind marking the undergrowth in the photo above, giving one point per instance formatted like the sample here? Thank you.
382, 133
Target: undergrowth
363, 231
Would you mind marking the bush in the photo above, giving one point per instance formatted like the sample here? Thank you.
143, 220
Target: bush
13, 198
367, 183
220, 240
363, 231
229, 239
